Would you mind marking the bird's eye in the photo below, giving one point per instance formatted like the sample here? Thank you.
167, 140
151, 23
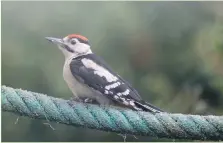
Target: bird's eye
73, 42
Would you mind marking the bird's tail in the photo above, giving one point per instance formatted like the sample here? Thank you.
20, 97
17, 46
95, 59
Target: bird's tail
148, 107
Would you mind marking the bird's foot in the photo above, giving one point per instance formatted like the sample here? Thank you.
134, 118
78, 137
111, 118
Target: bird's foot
72, 101
77, 99
84, 100
90, 100
87, 100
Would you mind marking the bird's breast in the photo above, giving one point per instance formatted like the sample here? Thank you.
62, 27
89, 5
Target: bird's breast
80, 89
77, 88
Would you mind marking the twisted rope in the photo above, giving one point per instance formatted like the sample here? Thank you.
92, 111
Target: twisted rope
163, 125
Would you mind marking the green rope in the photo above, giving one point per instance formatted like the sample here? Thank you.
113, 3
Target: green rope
163, 125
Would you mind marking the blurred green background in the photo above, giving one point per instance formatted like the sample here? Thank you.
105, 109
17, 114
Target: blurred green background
171, 52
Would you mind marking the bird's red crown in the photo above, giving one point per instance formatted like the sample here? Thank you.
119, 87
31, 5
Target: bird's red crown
77, 36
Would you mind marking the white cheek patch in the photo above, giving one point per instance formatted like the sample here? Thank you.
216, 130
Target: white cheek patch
114, 85
81, 48
100, 71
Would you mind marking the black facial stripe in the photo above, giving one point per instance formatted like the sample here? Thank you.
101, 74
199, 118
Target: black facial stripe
83, 41
68, 49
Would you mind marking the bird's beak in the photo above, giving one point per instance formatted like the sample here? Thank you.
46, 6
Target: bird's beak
55, 40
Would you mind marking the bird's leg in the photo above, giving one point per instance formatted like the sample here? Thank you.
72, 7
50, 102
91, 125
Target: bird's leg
89, 100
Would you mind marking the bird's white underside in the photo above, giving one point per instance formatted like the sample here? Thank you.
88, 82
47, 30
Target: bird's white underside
81, 90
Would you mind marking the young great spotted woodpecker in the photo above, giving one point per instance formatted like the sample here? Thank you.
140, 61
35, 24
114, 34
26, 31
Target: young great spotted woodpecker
91, 79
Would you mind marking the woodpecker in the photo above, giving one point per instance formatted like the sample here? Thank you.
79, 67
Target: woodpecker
91, 80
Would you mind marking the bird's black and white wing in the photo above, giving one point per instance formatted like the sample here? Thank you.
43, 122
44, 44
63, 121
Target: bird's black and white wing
95, 73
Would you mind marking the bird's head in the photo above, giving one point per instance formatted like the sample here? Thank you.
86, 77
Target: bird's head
72, 45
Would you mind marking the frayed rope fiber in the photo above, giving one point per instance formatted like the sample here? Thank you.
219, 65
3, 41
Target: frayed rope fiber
162, 125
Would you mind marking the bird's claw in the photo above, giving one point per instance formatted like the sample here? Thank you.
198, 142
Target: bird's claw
88, 100
84, 100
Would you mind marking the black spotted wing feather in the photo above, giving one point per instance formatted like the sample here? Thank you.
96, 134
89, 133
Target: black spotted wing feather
88, 77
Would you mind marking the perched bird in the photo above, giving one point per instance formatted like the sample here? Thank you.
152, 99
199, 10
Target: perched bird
91, 80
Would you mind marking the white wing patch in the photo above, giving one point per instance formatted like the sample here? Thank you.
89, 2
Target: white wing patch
114, 85
99, 70
124, 101
126, 92
116, 97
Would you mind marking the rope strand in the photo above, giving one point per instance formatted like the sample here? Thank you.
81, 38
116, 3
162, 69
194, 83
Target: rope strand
162, 125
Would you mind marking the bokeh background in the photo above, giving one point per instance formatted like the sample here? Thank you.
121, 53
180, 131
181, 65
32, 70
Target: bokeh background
171, 52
